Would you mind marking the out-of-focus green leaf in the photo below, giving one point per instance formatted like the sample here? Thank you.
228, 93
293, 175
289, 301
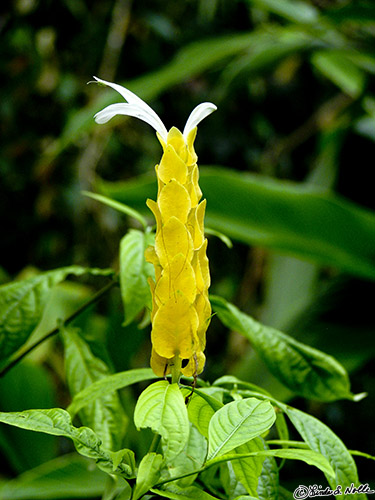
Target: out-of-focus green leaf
361, 12
273, 45
104, 415
108, 384
293, 10
297, 219
117, 206
304, 370
337, 67
22, 304
26, 386
69, 476
134, 271
237, 423
161, 407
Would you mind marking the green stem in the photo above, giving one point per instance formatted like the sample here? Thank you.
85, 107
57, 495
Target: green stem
176, 369
98, 295
155, 443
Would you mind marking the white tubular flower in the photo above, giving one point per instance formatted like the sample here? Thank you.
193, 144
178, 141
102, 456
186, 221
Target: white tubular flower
139, 109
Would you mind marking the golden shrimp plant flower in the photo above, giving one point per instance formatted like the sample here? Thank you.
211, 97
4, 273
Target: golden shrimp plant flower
181, 309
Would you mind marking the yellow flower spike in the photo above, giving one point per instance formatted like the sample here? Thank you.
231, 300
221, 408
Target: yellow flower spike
181, 309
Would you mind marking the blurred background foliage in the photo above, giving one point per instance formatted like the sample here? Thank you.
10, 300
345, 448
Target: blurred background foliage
294, 131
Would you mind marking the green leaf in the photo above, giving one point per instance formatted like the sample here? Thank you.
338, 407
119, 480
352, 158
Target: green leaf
248, 470
161, 407
301, 368
69, 476
134, 271
175, 492
274, 43
106, 385
190, 459
57, 422
361, 454
268, 484
310, 457
237, 423
322, 439
293, 10
148, 474
22, 304
340, 69
297, 219
121, 207
201, 409
232, 380
219, 235
105, 415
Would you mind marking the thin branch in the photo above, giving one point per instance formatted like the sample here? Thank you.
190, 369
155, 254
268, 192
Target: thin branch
97, 296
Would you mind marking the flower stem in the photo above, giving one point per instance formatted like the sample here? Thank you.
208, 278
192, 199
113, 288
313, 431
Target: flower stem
176, 369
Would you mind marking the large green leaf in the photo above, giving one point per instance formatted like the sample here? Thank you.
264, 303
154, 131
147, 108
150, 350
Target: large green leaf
57, 422
134, 271
22, 304
108, 384
161, 407
294, 218
69, 476
105, 415
237, 423
303, 369
322, 439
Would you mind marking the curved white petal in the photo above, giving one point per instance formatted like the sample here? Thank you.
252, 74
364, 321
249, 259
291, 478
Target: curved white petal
197, 115
112, 110
136, 108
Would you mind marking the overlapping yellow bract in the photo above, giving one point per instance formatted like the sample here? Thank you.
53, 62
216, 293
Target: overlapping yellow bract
181, 310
